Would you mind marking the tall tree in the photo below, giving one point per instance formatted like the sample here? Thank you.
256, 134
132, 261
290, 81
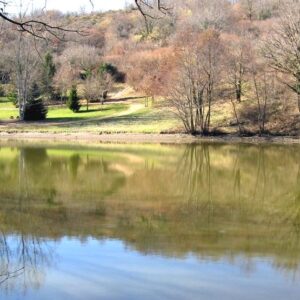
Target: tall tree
196, 86
48, 72
26, 71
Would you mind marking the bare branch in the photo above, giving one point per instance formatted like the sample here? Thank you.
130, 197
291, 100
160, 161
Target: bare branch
38, 28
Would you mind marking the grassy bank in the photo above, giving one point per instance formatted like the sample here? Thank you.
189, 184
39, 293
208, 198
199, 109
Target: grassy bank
130, 116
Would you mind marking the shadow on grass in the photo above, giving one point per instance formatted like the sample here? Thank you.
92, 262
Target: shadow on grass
63, 119
92, 110
4, 100
132, 120
124, 99
75, 117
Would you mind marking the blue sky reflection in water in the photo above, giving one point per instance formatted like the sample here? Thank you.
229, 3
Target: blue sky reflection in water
110, 270
104, 223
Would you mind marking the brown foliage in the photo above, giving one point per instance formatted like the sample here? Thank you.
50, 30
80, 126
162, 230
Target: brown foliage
148, 71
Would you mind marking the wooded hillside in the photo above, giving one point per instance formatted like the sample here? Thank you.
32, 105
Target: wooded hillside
194, 57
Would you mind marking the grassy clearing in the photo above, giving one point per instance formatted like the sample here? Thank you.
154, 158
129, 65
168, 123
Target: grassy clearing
131, 117
141, 121
62, 114
124, 117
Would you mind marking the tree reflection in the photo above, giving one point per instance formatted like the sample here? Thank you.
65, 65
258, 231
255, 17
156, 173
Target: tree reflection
216, 199
22, 261
24, 256
251, 192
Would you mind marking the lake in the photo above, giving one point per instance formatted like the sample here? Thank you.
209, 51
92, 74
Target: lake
125, 221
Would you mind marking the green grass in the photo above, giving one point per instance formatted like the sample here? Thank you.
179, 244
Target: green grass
62, 114
108, 118
7, 109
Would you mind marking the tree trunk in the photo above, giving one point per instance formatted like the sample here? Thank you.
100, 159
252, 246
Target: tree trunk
21, 113
236, 117
238, 91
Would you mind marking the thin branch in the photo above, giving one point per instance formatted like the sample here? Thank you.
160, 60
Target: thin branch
36, 28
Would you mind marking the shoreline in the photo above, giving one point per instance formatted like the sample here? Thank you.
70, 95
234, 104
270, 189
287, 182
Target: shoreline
142, 138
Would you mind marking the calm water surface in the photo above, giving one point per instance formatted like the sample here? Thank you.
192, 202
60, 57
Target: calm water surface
150, 222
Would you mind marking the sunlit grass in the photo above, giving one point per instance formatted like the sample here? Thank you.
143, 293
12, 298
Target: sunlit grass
63, 114
146, 120
7, 109
108, 118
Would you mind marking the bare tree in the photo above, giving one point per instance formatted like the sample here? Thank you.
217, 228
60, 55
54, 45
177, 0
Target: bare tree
63, 80
194, 90
207, 14
261, 9
153, 9
237, 62
25, 68
96, 87
282, 48
264, 87
250, 8
263, 84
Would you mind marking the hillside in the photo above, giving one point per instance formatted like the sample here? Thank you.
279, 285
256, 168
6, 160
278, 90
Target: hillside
209, 67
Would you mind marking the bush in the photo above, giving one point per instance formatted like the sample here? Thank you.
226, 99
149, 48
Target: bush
35, 110
73, 100
107, 68
265, 14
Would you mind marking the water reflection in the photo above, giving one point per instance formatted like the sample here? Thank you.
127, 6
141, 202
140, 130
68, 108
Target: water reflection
217, 202
23, 261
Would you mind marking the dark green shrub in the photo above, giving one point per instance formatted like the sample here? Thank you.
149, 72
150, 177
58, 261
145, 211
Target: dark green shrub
73, 100
35, 110
107, 68
84, 75
265, 14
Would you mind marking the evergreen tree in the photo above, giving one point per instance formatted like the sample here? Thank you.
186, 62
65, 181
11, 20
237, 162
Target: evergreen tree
48, 73
34, 91
35, 110
73, 100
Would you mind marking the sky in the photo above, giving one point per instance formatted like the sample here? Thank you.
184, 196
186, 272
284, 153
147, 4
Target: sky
72, 5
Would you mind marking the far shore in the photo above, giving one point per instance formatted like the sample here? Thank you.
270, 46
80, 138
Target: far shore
140, 138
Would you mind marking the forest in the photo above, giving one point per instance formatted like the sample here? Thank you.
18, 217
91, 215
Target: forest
202, 66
